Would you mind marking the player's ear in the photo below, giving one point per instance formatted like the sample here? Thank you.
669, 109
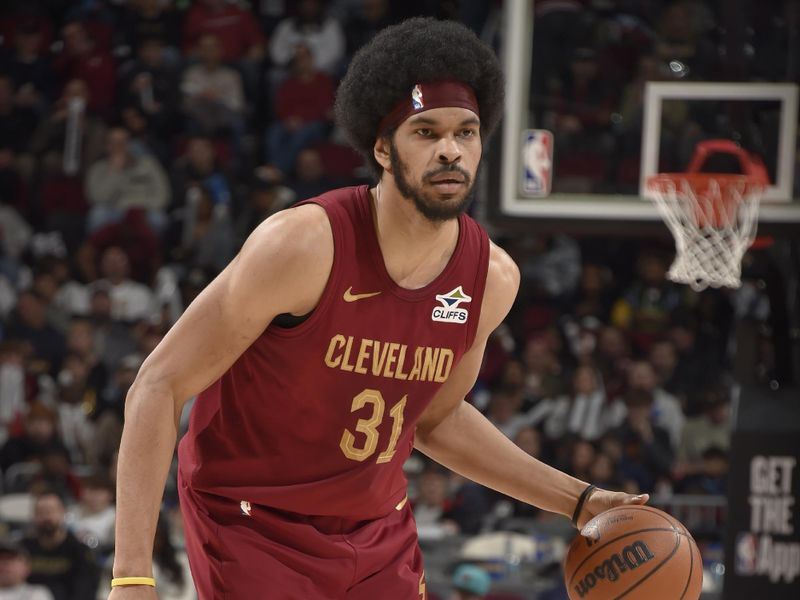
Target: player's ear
381, 152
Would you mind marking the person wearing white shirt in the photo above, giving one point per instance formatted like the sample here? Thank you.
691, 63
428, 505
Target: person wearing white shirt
14, 570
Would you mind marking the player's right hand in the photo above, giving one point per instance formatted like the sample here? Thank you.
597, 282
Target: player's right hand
133, 592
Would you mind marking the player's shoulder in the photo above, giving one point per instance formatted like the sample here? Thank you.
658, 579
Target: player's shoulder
502, 277
294, 233
502, 283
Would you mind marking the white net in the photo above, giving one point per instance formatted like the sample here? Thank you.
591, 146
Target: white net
713, 220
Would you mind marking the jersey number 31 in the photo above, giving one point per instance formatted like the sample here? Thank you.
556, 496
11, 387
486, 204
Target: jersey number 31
369, 427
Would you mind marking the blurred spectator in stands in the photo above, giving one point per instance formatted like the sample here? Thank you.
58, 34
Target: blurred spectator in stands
711, 429
70, 138
150, 84
645, 307
603, 472
82, 342
29, 67
266, 197
13, 401
213, 96
206, 235
529, 440
504, 411
581, 118
113, 339
122, 181
433, 504
543, 370
75, 402
710, 476
92, 519
130, 300
370, 17
667, 411
82, 59
15, 232
303, 110
664, 358
59, 561
310, 178
311, 28
470, 583
581, 457
593, 298
199, 166
647, 457
683, 39
39, 438
170, 567
149, 20
29, 324
136, 238
585, 412
552, 265
235, 29
15, 567
16, 122
697, 367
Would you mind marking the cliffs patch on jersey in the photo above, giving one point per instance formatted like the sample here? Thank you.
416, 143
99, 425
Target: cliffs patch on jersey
449, 311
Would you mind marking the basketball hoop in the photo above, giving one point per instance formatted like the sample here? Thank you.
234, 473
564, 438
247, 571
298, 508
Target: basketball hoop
712, 216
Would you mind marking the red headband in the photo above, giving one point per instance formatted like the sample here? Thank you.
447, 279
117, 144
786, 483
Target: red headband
428, 95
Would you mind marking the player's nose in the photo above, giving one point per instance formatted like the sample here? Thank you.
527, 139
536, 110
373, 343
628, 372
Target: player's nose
448, 150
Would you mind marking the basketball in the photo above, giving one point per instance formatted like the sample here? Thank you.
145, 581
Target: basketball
638, 552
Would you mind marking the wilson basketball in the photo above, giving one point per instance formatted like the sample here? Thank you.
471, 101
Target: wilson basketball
635, 552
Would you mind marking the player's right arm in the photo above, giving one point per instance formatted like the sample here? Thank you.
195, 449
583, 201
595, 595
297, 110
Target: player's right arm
259, 284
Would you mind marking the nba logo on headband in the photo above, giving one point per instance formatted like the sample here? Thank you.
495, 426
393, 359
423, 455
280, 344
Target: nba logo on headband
416, 98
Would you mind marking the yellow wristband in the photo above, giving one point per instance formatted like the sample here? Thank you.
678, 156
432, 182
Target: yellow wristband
120, 581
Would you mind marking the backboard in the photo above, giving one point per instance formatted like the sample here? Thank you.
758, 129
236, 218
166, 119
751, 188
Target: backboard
630, 94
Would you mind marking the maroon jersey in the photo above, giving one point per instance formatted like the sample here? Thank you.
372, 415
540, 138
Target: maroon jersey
319, 418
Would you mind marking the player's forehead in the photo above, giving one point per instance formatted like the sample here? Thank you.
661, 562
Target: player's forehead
445, 117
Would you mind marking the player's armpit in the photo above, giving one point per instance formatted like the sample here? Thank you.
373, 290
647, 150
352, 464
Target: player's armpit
260, 283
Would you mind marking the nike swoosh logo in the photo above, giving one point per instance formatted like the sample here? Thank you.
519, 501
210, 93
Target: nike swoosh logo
350, 297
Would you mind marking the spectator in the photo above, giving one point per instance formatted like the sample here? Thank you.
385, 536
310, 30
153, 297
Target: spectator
81, 59
75, 400
585, 412
236, 30
710, 476
470, 583
40, 437
29, 324
647, 457
603, 472
504, 412
70, 138
130, 300
593, 297
267, 196
15, 566
30, 69
151, 20
60, 562
370, 18
150, 84
82, 342
303, 110
310, 179
311, 28
124, 181
711, 429
92, 520
645, 307
13, 405
207, 237
170, 567
213, 96
543, 369
16, 122
199, 166
667, 411
582, 455
433, 504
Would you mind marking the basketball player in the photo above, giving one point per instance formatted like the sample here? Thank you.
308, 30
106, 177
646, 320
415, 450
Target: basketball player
345, 333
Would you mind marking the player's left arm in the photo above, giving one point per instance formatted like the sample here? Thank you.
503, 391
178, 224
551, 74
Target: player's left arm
453, 433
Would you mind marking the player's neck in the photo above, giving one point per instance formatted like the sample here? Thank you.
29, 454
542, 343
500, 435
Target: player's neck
415, 249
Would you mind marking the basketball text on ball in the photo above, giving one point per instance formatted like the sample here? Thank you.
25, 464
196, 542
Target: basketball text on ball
632, 557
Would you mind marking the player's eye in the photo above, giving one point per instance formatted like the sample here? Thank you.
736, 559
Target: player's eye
424, 132
467, 133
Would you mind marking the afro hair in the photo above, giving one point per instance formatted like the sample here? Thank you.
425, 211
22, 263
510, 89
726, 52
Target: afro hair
384, 71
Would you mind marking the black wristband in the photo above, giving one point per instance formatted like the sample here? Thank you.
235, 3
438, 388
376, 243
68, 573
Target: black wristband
581, 500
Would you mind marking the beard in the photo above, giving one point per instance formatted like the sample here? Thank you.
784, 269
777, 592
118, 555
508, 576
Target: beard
432, 208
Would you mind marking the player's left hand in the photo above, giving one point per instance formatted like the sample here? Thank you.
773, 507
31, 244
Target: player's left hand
601, 500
